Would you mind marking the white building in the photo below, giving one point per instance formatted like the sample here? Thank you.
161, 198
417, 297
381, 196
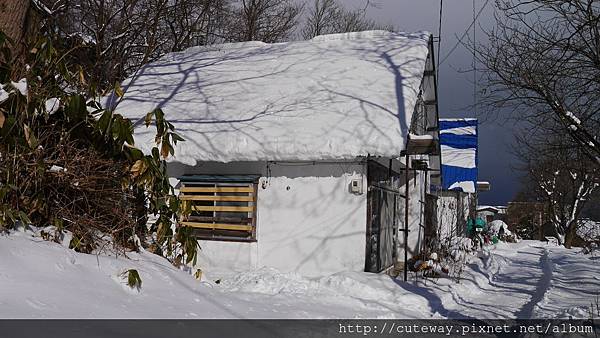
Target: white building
294, 152
490, 213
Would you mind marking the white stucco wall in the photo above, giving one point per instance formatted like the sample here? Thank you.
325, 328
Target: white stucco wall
307, 220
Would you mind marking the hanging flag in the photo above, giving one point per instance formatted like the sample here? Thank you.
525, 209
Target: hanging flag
458, 140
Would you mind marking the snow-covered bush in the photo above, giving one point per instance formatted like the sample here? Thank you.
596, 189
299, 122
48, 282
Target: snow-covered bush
588, 231
497, 227
447, 257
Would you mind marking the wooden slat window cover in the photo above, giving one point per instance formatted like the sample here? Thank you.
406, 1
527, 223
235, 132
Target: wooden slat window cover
223, 210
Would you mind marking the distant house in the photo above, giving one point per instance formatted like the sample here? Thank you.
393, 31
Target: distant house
490, 213
295, 153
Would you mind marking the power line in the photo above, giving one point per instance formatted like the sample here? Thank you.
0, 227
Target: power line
437, 67
474, 62
465, 33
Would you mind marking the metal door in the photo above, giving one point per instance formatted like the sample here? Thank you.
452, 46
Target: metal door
382, 229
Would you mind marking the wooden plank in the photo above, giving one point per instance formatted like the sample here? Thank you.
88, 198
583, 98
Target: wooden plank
220, 226
228, 238
221, 208
209, 219
216, 198
216, 189
255, 187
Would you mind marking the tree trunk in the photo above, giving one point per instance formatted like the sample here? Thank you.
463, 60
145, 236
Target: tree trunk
13, 15
570, 234
18, 21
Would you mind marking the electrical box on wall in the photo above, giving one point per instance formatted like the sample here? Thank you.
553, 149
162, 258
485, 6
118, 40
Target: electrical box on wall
356, 186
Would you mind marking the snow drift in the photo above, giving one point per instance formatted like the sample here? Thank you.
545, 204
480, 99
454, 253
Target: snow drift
40, 279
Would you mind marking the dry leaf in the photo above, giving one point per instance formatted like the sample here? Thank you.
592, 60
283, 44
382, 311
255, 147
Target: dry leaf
29, 137
137, 168
164, 150
119, 90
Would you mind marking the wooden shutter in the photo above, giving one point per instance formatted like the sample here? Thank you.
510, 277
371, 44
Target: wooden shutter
220, 207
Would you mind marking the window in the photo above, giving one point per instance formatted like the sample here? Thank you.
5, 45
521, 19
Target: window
221, 207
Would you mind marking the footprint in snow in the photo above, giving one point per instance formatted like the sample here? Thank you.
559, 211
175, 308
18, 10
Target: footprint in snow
59, 267
71, 260
36, 303
6, 277
165, 278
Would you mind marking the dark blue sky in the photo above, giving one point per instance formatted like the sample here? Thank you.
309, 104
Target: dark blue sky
455, 88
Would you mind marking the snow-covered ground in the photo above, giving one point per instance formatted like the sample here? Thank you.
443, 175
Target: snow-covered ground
526, 279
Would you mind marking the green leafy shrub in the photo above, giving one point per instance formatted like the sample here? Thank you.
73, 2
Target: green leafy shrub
65, 159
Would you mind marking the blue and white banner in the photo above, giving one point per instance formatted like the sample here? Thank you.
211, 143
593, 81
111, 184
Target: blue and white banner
458, 140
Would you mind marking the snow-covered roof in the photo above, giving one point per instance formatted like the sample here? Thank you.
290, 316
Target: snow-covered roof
487, 207
336, 96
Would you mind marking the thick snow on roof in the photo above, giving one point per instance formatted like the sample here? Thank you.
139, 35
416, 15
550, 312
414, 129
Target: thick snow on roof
333, 97
487, 207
